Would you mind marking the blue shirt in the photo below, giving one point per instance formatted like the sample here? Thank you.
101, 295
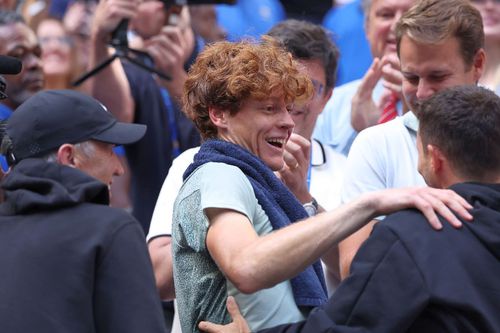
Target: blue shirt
333, 126
346, 23
5, 113
249, 18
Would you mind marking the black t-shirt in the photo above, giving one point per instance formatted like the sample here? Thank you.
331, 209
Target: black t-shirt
151, 157
310, 10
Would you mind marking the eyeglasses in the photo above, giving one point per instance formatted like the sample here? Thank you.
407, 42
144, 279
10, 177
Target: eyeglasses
63, 40
322, 161
319, 88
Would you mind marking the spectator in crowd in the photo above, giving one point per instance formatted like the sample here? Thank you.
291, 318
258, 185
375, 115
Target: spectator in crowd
134, 95
313, 49
408, 278
346, 24
204, 23
490, 13
59, 57
240, 96
440, 45
19, 41
361, 103
70, 262
77, 22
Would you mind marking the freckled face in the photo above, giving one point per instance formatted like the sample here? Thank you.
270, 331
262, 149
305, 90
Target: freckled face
262, 127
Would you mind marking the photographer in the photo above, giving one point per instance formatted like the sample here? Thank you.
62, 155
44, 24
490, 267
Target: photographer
135, 95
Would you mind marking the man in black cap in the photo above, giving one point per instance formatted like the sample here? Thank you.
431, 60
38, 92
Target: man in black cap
70, 263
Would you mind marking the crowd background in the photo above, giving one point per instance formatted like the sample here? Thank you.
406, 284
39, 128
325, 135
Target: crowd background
64, 31
72, 37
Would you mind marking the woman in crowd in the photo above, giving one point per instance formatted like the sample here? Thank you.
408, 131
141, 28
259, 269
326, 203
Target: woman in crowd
490, 13
59, 57
239, 96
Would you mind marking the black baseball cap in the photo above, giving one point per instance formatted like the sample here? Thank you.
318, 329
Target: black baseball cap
51, 118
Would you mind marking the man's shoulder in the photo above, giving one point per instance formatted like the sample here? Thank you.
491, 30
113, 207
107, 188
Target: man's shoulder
412, 228
392, 136
388, 129
407, 219
99, 217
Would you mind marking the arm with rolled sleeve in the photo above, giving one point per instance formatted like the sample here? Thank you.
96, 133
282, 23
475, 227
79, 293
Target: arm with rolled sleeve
385, 292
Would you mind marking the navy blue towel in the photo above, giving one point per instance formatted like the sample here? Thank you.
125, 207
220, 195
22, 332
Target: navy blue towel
278, 202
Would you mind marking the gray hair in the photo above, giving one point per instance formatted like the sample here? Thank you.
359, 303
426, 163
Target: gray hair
365, 6
87, 149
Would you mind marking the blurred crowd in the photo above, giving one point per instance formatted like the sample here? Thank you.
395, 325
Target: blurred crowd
139, 54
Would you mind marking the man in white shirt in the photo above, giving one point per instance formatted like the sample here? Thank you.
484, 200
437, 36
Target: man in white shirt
440, 45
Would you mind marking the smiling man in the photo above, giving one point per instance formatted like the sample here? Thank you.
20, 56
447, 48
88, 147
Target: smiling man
440, 45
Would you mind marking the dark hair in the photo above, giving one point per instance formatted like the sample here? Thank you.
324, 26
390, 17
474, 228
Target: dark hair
433, 21
308, 41
9, 17
464, 123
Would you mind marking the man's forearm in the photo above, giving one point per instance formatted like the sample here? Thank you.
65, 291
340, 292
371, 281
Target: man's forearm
160, 251
110, 86
276, 257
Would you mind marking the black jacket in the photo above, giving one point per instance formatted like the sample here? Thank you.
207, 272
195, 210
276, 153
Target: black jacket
409, 278
69, 262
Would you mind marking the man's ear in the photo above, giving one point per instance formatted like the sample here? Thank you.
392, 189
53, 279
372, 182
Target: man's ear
218, 117
329, 93
437, 160
479, 63
66, 155
325, 98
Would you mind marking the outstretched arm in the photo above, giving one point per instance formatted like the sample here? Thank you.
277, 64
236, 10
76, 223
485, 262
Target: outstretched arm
385, 274
253, 263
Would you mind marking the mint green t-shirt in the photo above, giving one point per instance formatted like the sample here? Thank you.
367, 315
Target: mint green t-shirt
201, 288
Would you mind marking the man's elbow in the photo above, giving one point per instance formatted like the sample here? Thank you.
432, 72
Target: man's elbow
161, 258
166, 291
245, 279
